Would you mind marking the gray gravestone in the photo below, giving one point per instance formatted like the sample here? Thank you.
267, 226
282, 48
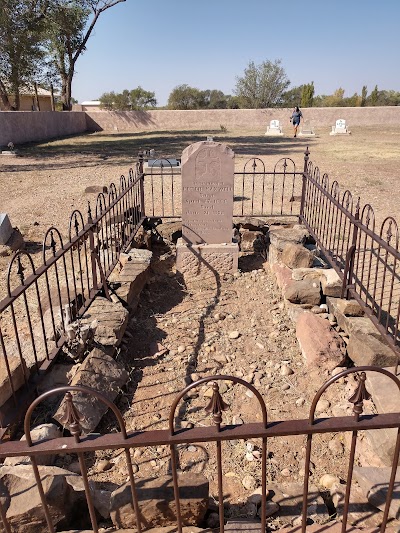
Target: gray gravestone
6, 229
207, 209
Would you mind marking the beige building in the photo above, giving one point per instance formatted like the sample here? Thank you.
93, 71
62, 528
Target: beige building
28, 100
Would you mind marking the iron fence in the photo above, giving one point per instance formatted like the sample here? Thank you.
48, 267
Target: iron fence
366, 258
258, 192
216, 434
42, 301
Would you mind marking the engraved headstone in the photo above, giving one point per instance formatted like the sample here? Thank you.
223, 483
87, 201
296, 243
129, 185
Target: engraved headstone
6, 229
306, 129
207, 193
340, 128
206, 246
274, 128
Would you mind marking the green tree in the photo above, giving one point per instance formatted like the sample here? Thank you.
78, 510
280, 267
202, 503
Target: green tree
107, 101
185, 97
364, 93
262, 85
21, 52
141, 99
307, 95
69, 26
292, 97
373, 97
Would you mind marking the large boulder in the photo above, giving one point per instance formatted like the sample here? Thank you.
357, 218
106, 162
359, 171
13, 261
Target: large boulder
102, 373
252, 241
157, 504
303, 292
21, 501
296, 256
364, 349
39, 433
319, 343
374, 483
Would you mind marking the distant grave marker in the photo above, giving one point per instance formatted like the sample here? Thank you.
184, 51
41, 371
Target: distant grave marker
274, 128
306, 129
340, 128
6, 230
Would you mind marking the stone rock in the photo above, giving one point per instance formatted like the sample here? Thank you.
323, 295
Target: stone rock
303, 292
236, 525
296, 256
368, 350
170, 231
374, 483
279, 237
361, 512
306, 273
283, 275
157, 504
328, 480
331, 283
14, 243
320, 345
270, 509
132, 277
250, 223
39, 433
234, 334
17, 370
349, 307
102, 373
249, 483
252, 241
289, 496
21, 500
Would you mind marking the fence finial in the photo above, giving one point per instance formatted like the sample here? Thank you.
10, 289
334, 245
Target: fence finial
359, 396
216, 405
72, 418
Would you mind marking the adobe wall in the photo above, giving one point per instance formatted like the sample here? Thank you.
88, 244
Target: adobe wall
233, 119
26, 126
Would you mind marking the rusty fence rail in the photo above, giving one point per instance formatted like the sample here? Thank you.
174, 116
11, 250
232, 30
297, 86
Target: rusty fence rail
257, 191
42, 301
215, 434
366, 258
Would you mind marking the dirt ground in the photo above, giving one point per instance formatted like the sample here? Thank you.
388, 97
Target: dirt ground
47, 181
239, 327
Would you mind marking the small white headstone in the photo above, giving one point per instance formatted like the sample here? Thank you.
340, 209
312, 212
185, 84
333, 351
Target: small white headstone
340, 127
274, 128
6, 229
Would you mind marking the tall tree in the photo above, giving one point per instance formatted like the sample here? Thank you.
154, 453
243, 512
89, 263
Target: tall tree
262, 85
364, 93
21, 37
373, 97
141, 99
186, 97
136, 99
291, 97
70, 24
307, 95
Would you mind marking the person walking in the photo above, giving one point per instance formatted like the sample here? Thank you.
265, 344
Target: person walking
295, 119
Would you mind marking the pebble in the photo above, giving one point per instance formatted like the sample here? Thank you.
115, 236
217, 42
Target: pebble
181, 348
237, 421
234, 334
135, 468
259, 345
286, 386
192, 449
300, 402
329, 480
249, 483
195, 377
103, 465
286, 370
256, 497
249, 456
324, 307
286, 472
322, 405
270, 508
137, 453
335, 446
249, 393
250, 446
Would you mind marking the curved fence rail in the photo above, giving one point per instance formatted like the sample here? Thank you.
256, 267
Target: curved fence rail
366, 258
42, 301
216, 435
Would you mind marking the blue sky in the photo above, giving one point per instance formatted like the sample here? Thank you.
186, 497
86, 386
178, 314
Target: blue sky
160, 44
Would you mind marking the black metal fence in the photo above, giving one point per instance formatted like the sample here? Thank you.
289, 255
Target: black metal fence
42, 301
366, 258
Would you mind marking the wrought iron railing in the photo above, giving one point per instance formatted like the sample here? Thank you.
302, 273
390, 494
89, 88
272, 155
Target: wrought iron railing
216, 434
42, 300
366, 259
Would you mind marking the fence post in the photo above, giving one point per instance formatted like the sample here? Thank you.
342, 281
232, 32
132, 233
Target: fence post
141, 182
349, 267
303, 188
92, 250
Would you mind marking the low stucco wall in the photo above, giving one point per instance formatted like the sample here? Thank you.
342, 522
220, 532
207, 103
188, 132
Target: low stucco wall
26, 126
235, 118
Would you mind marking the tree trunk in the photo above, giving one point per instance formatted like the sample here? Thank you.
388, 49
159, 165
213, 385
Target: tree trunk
66, 84
4, 98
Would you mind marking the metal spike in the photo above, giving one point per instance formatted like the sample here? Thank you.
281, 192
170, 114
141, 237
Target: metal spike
216, 405
359, 396
389, 233
76, 224
20, 271
53, 243
71, 417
